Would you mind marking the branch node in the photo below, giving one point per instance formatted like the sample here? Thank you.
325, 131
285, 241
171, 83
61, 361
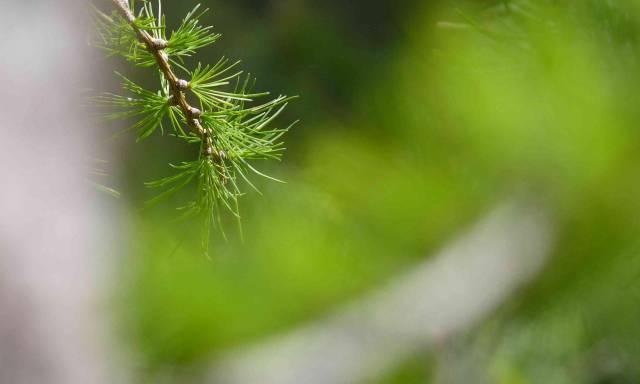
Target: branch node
159, 44
195, 112
182, 84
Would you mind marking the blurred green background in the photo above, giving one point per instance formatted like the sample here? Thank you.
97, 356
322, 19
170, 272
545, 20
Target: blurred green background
416, 118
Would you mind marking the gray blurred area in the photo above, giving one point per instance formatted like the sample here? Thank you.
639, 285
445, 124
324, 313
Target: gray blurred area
52, 232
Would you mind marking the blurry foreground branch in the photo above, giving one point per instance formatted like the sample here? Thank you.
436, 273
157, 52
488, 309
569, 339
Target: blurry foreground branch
445, 295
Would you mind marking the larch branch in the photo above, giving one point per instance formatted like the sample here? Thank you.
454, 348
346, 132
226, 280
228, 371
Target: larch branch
178, 86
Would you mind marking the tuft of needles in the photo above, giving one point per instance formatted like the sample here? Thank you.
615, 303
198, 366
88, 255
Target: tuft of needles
228, 124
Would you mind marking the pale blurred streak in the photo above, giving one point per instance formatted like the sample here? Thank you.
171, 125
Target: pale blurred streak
52, 235
447, 294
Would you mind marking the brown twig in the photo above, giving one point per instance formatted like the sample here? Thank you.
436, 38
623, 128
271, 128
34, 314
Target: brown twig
178, 86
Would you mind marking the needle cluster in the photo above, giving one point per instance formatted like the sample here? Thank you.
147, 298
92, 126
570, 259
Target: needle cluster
211, 106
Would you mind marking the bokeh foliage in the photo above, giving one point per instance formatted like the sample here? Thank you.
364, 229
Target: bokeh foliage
466, 105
